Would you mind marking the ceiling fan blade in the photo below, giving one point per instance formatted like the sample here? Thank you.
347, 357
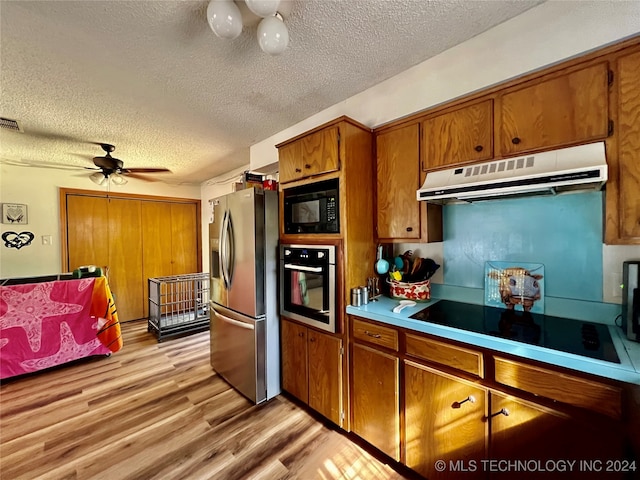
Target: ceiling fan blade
145, 170
140, 177
25, 163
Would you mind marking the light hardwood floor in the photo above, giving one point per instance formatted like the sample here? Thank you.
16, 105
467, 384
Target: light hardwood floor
157, 410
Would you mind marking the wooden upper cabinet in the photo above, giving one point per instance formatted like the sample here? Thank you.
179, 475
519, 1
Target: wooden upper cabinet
397, 179
629, 148
310, 155
461, 136
563, 110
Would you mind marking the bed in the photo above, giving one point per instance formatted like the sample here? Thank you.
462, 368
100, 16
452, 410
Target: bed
49, 323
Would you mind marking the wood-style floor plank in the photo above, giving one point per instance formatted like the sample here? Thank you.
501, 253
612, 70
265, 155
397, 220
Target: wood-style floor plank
159, 411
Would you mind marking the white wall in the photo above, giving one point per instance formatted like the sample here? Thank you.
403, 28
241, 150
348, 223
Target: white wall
38, 188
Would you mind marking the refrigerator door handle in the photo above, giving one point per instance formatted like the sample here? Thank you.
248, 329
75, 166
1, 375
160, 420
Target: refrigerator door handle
231, 321
224, 251
232, 247
303, 268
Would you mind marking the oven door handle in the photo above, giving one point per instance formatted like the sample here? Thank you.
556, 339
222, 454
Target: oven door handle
303, 268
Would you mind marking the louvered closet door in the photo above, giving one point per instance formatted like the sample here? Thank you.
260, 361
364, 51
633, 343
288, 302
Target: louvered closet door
125, 257
87, 232
156, 244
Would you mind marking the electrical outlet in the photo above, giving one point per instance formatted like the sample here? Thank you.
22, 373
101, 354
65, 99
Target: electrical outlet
47, 240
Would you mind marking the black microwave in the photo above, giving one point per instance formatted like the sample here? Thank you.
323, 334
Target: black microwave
312, 208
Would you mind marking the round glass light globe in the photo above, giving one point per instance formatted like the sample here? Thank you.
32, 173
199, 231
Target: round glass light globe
263, 8
273, 36
224, 18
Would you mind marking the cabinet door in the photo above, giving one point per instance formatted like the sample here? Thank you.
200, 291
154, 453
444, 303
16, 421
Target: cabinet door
290, 162
320, 152
325, 375
397, 179
376, 411
184, 238
444, 421
524, 431
461, 136
295, 379
564, 110
629, 146
313, 154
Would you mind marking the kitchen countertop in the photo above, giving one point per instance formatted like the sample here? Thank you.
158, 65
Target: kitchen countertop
628, 370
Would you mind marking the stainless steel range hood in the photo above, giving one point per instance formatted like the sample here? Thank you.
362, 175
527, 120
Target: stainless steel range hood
582, 167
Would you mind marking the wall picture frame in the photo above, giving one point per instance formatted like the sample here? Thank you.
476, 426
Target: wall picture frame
14, 213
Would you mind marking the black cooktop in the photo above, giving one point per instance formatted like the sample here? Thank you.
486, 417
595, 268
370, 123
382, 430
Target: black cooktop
573, 336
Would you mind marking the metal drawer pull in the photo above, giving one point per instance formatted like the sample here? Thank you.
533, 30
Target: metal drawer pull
503, 411
470, 399
374, 335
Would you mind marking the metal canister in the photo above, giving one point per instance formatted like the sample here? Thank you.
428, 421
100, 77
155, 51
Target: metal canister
356, 297
364, 293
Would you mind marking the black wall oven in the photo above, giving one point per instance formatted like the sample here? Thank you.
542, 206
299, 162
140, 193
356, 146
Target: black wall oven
308, 284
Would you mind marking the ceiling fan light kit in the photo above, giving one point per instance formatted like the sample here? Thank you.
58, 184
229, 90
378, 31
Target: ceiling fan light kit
225, 20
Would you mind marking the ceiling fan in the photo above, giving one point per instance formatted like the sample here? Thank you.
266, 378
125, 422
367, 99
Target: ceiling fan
113, 168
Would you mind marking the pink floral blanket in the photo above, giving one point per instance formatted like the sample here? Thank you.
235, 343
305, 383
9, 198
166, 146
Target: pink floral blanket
46, 324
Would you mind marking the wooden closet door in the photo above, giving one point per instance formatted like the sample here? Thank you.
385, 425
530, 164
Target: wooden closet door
125, 257
87, 227
156, 244
184, 238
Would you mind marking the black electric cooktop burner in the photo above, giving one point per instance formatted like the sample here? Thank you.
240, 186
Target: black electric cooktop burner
572, 336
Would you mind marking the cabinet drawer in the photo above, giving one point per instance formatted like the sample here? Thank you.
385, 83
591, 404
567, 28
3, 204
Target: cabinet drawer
576, 391
452, 356
368, 332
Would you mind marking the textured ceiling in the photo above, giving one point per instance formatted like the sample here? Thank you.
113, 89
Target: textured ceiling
151, 78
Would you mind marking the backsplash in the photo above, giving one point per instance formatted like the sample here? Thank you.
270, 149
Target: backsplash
563, 232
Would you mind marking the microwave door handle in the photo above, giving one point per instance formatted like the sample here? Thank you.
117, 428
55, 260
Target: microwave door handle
303, 268
224, 251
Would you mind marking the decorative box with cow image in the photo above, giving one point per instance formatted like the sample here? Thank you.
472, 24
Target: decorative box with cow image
514, 285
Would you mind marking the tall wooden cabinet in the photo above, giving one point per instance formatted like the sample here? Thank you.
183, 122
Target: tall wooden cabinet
137, 237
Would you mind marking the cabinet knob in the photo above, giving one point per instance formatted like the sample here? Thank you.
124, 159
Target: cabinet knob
478, 148
307, 165
470, 399
409, 229
515, 140
312, 339
502, 411
298, 170
301, 334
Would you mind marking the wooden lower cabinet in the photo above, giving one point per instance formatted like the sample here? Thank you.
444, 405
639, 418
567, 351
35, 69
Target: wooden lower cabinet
312, 368
444, 421
545, 438
375, 400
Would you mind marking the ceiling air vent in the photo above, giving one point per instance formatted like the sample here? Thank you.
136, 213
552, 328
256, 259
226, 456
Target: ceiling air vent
8, 124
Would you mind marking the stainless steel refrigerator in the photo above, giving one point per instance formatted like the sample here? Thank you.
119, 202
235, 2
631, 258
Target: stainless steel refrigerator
245, 335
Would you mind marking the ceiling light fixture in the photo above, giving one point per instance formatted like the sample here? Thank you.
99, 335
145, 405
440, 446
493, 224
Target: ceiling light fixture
102, 178
225, 20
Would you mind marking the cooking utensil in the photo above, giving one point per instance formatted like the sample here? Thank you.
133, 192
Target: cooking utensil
382, 266
403, 304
